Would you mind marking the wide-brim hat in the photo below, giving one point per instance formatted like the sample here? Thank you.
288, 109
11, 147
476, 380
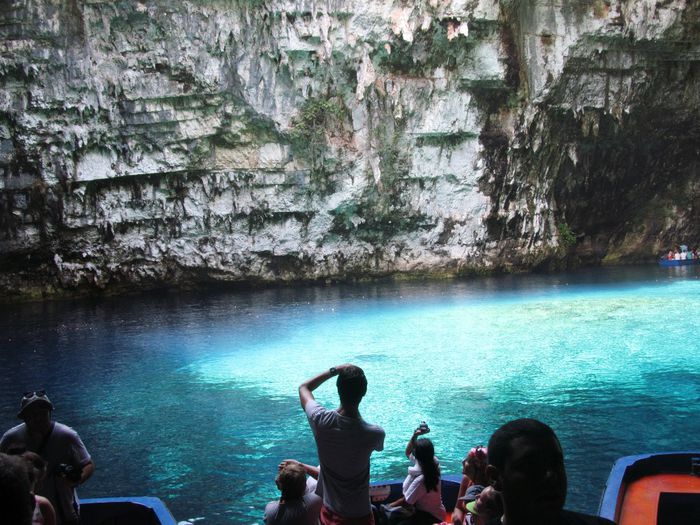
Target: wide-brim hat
36, 398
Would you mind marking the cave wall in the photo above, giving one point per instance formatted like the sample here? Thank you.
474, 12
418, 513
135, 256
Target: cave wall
610, 138
150, 143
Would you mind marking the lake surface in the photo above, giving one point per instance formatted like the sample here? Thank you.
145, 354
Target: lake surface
193, 397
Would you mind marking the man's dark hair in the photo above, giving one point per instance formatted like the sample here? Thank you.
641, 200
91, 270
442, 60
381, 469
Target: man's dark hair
352, 385
499, 444
16, 502
291, 481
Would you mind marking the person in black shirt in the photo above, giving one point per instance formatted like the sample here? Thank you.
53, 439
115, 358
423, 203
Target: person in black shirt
526, 465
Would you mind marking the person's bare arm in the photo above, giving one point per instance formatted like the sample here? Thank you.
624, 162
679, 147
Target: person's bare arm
85, 473
411, 445
47, 511
459, 510
397, 503
412, 442
310, 470
88, 470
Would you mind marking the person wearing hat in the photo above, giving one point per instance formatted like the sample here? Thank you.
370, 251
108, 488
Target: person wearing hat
470, 495
69, 463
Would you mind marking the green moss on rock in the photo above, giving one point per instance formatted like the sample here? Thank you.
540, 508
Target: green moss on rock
317, 118
429, 50
445, 139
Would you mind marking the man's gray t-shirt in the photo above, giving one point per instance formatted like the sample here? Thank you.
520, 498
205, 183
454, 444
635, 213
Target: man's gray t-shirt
344, 446
63, 445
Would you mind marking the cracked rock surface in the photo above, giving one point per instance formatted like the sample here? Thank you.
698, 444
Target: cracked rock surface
152, 143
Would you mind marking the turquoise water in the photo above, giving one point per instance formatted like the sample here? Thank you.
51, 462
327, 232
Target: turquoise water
192, 397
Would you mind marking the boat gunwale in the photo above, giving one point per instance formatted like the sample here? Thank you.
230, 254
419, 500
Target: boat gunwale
631, 468
161, 511
670, 263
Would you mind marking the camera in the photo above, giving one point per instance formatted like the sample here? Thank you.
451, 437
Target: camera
69, 472
423, 427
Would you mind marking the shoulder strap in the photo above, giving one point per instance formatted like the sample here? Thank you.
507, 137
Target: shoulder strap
52, 477
45, 441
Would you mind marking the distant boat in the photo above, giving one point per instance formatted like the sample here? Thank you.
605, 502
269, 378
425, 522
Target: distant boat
125, 511
653, 489
677, 262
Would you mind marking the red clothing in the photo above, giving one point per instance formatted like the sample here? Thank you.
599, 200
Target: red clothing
328, 517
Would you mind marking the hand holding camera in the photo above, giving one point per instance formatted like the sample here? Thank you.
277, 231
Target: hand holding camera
68, 472
423, 428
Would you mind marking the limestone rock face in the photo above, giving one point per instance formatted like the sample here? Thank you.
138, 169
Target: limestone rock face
149, 143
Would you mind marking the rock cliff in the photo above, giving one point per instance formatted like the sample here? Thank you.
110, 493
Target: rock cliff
149, 143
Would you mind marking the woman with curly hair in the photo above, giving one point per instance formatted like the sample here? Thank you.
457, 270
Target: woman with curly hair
473, 473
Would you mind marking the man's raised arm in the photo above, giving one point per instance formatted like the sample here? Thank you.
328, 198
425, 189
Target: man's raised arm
307, 387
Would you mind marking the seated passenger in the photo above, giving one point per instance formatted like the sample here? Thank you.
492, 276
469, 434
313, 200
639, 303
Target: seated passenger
311, 472
44, 512
473, 473
472, 492
526, 465
296, 506
421, 487
670, 255
486, 507
15, 500
677, 256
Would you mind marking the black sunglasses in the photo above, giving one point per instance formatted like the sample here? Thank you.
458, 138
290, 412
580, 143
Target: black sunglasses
34, 393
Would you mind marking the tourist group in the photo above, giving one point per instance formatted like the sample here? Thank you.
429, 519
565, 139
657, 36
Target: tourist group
518, 479
682, 252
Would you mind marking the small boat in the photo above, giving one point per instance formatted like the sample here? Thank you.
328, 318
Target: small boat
653, 489
125, 511
677, 262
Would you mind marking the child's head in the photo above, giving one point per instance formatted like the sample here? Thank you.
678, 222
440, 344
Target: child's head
37, 467
487, 504
291, 480
15, 498
474, 465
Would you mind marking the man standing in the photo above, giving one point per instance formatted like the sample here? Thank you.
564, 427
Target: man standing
345, 443
69, 463
526, 465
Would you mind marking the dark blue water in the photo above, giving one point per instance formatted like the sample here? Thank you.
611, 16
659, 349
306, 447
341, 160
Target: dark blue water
192, 397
